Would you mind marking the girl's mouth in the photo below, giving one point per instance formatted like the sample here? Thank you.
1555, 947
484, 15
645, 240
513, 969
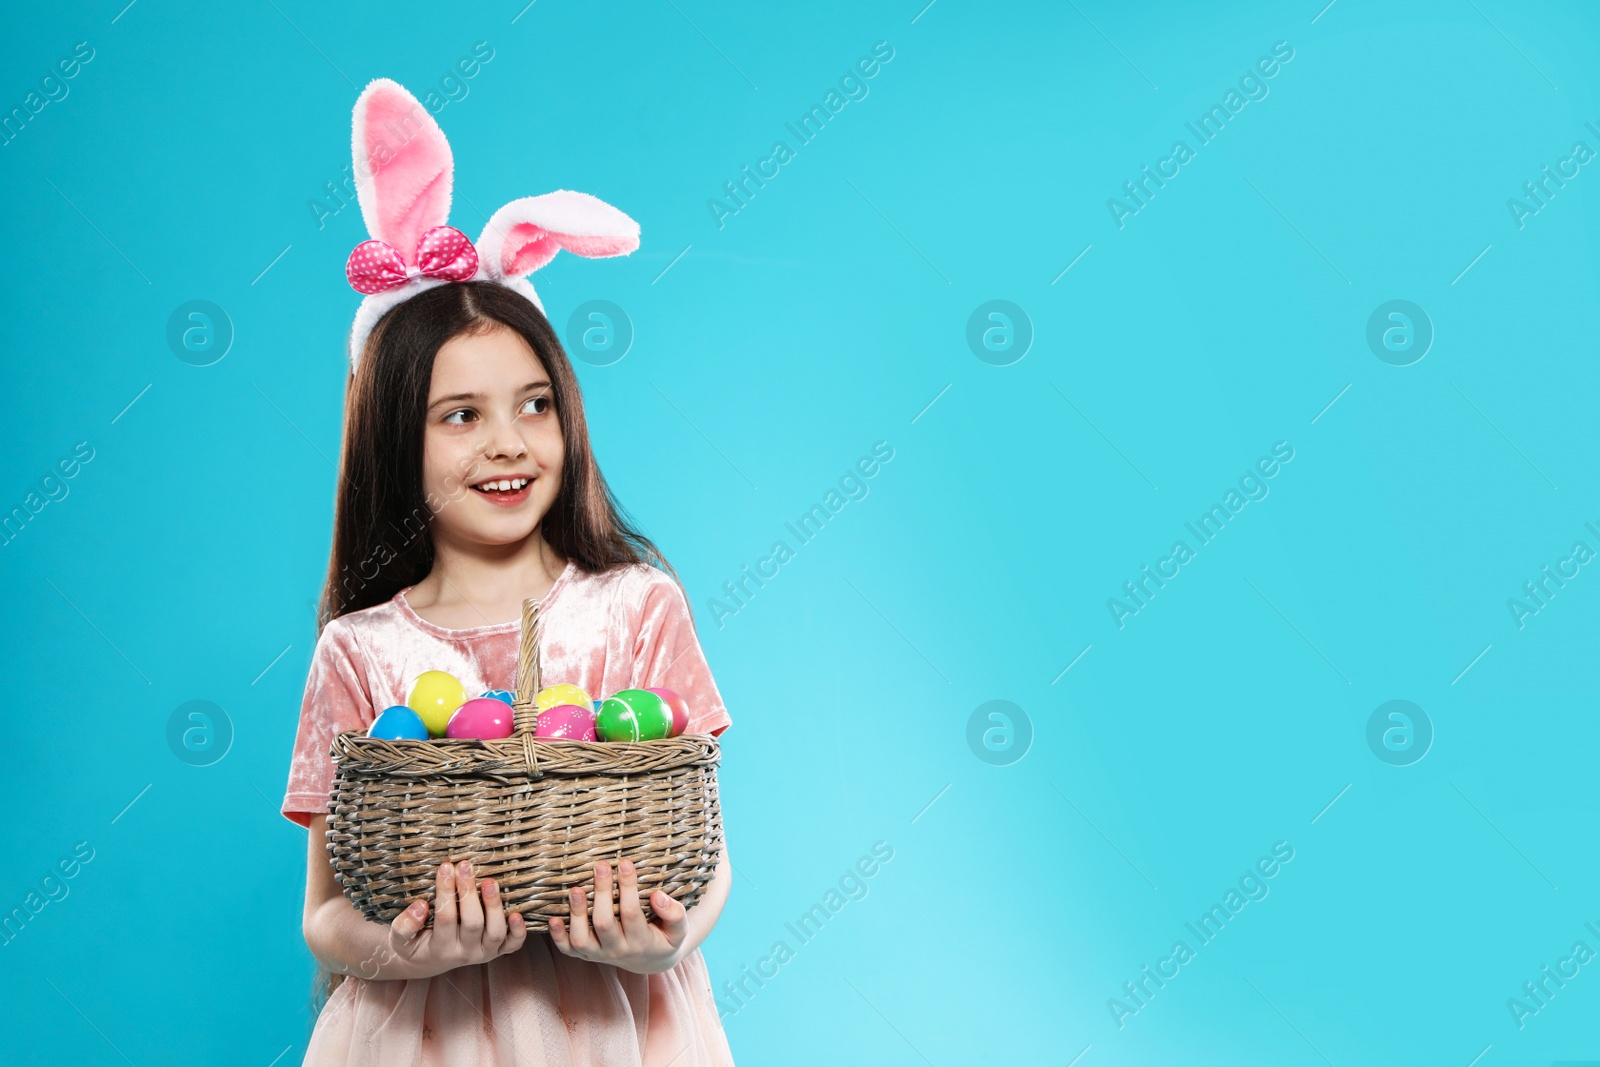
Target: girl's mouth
506, 492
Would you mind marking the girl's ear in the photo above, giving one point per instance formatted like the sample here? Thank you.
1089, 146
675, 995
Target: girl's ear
403, 167
526, 234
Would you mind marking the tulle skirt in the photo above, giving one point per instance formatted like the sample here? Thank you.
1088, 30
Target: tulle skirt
533, 1008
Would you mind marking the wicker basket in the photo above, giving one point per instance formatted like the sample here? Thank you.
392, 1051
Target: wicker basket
534, 815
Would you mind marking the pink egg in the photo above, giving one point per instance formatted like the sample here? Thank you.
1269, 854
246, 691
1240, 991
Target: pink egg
481, 717
679, 708
565, 722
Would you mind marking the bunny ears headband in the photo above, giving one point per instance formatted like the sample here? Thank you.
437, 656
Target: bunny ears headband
403, 173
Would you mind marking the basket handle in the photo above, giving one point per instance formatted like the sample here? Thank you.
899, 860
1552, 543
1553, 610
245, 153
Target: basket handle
523, 711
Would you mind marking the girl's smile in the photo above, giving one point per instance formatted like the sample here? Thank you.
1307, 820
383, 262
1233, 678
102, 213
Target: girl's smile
506, 491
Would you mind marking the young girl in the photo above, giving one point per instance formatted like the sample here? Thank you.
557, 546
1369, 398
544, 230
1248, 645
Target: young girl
468, 484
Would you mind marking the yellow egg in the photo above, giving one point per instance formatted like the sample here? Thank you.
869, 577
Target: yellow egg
555, 695
435, 696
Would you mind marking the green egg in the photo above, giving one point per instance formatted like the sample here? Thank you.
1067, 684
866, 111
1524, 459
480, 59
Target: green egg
633, 715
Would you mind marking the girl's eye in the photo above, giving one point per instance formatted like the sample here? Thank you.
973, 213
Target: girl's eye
466, 416
543, 404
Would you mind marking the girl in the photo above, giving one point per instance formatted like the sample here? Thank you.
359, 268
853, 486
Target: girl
468, 484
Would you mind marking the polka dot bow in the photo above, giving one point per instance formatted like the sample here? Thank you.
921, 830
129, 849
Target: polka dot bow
443, 252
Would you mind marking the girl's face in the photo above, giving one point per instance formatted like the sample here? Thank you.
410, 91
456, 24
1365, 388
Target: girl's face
492, 447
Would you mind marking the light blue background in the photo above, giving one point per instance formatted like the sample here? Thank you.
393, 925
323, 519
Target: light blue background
827, 315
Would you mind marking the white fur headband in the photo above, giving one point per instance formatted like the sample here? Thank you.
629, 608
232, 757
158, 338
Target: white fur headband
404, 170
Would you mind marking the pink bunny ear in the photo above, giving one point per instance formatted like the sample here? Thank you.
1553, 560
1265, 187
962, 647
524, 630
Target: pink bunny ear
403, 167
526, 234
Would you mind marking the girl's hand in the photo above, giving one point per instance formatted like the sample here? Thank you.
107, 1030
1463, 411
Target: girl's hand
633, 943
464, 932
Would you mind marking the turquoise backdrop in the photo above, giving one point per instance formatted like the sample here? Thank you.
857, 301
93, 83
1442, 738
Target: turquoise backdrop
1338, 346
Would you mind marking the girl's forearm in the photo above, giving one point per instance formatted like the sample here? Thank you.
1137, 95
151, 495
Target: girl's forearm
346, 942
703, 916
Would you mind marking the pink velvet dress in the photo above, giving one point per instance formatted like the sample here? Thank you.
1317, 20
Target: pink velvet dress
624, 628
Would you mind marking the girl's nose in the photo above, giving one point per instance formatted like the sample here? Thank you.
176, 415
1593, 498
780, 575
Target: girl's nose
504, 440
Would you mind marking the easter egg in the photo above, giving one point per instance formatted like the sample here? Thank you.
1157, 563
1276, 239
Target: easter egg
499, 694
677, 707
565, 722
397, 722
633, 715
482, 717
435, 696
552, 696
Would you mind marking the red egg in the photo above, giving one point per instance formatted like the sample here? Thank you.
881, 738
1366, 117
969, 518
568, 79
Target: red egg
679, 708
481, 717
565, 722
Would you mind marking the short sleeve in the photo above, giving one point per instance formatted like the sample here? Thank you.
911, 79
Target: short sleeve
667, 655
337, 698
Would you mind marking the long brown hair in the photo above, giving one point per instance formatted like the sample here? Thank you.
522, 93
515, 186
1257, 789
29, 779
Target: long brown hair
382, 539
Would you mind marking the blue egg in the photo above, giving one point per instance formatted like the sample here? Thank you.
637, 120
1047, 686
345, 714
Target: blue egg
398, 723
500, 694
597, 704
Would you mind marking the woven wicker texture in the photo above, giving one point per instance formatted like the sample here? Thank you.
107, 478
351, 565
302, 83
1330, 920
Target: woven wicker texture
534, 815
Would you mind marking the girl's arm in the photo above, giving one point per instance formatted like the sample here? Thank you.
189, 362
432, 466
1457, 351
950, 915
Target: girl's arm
630, 941
704, 915
464, 932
